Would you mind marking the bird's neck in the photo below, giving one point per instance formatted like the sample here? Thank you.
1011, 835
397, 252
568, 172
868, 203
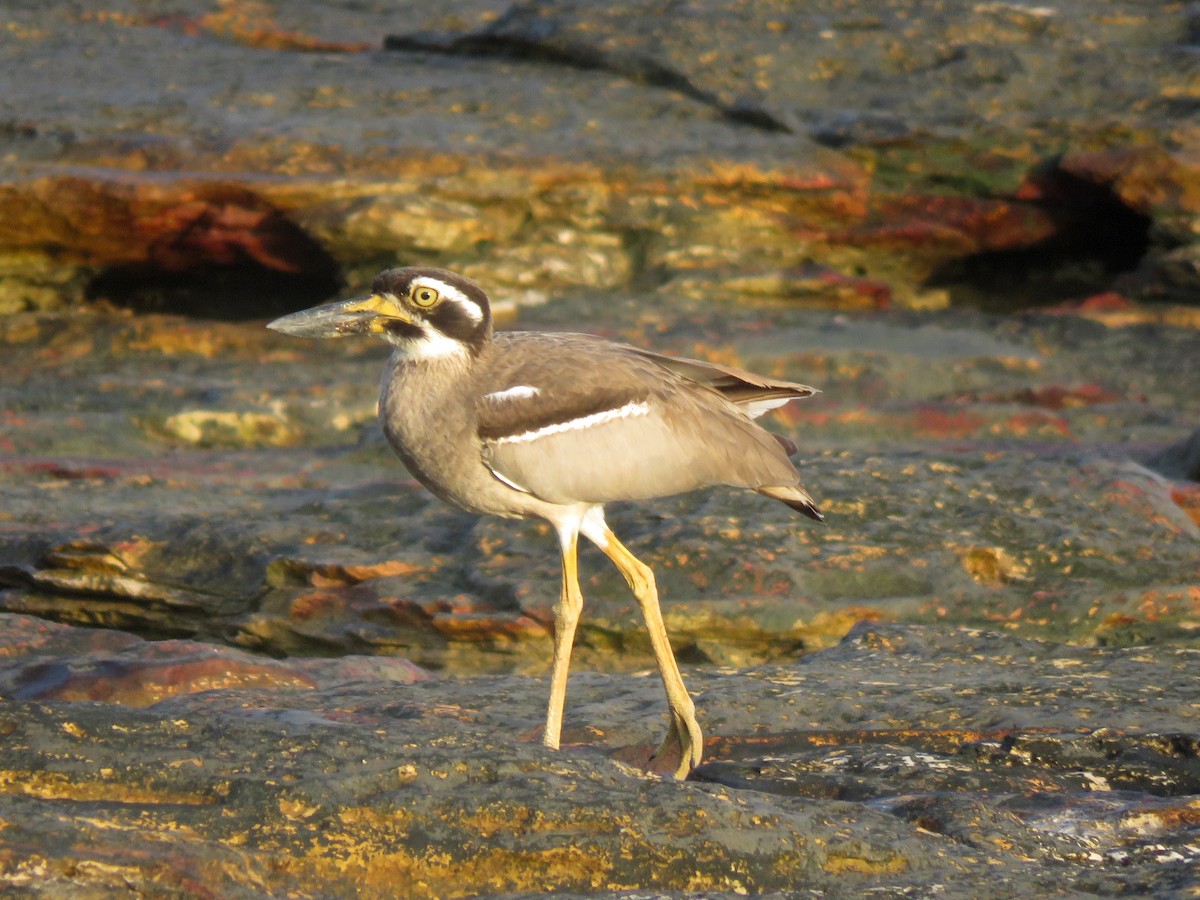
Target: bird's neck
433, 373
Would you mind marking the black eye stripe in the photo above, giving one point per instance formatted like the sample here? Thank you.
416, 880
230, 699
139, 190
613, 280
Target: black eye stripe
453, 320
400, 328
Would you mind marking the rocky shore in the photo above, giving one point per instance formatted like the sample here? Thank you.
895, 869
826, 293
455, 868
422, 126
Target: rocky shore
242, 654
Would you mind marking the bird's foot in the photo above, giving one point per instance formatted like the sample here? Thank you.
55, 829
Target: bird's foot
684, 738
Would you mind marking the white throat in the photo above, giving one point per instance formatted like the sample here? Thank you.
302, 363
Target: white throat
430, 345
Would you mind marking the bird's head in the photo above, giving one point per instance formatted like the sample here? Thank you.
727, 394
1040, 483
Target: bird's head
424, 312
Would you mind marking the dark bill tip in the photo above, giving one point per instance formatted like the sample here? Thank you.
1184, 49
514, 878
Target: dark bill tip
332, 320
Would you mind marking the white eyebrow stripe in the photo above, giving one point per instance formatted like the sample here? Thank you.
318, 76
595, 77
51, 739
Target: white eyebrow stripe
454, 295
633, 408
516, 392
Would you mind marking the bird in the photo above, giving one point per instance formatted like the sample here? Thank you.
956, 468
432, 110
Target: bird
554, 425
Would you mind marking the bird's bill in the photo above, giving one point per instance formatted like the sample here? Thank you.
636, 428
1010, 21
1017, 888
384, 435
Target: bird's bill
359, 315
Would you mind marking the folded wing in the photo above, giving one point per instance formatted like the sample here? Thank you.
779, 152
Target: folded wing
581, 419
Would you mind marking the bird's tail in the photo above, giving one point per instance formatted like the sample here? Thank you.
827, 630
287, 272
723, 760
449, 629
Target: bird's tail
795, 497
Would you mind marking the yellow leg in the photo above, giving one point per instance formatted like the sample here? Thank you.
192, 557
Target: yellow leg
566, 617
683, 731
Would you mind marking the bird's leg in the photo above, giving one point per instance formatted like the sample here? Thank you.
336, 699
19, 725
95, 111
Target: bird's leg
683, 731
566, 617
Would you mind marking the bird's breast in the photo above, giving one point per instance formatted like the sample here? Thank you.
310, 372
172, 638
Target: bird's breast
417, 409
428, 416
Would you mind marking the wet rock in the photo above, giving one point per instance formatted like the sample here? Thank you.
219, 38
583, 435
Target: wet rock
769, 68
939, 767
982, 443
208, 158
135, 673
221, 599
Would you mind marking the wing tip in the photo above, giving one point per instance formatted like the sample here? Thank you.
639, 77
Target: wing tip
796, 497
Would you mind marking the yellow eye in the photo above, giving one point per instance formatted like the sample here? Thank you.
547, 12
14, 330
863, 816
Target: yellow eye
425, 297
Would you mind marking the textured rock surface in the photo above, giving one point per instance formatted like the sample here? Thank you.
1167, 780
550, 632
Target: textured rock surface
213, 482
217, 481
207, 154
352, 781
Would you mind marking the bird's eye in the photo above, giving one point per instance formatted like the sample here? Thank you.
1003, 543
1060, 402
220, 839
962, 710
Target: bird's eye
425, 297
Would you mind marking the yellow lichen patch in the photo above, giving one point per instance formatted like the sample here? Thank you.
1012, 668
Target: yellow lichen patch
229, 428
135, 551
20, 329
839, 864
1166, 819
499, 818
857, 507
992, 566
372, 852
1176, 316
327, 574
856, 555
828, 627
504, 849
158, 334
60, 786
86, 556
498, 870
1025, 364
366, 817
297, 810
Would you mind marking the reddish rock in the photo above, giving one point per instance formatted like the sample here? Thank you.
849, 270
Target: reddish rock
940, 423
1050, 396
948, 226
1188, 498
40, 660
1036, 422
1150, 179
171, 224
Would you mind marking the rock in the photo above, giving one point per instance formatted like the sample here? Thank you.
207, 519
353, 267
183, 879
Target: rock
975, 153
115, 667
243, 654
937, 767
306, 537
1180, 461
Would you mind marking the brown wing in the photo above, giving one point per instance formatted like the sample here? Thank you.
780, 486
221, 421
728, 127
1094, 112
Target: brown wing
532, 380
572, 418
736, 385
